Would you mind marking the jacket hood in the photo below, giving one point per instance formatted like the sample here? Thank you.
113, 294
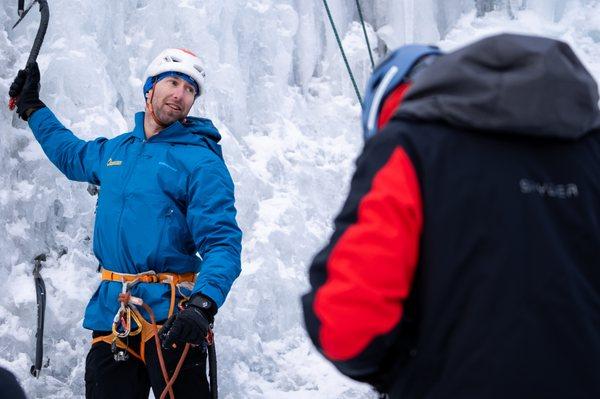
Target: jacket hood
513, 84
195, 131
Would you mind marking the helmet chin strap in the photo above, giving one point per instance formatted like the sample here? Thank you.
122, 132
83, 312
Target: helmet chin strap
151, 110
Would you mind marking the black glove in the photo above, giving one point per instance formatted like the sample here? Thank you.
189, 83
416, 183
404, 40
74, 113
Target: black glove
26, 88
191, 325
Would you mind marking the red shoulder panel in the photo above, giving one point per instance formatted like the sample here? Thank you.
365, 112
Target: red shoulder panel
371, 268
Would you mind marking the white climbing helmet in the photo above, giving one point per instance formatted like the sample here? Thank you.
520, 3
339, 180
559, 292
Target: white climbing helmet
176, 60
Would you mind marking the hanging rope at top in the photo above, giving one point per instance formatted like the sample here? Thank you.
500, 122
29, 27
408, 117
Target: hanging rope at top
362, 21
339, 42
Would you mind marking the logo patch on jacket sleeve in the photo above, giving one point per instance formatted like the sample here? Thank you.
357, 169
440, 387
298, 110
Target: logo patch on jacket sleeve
113, 163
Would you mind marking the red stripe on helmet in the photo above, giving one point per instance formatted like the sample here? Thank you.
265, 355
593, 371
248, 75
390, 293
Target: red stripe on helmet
188, 52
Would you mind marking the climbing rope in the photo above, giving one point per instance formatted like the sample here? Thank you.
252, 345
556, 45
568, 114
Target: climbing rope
127, 300
362, 21
339, 42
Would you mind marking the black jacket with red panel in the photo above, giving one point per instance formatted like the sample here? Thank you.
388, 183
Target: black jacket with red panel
465, 262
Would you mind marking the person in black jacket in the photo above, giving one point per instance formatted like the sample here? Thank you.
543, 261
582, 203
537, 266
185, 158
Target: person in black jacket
464, 263
9, 386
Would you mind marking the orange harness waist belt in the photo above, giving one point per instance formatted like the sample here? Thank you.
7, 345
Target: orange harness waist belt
144, 327
172, 279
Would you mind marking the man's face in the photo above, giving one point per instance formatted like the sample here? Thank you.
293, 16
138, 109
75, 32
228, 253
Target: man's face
172, 100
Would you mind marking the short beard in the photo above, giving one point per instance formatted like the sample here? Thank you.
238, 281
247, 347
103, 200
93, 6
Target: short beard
164, 116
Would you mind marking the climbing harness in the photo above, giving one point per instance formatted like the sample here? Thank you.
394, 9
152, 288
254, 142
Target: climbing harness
185, 280
40, 291
39, 38
122, 323
129, 322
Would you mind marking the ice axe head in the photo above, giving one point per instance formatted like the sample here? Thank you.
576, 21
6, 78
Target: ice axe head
39, 38
22, 11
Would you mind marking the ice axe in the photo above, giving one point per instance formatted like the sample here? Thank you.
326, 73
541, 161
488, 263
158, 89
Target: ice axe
40, 291
39, 37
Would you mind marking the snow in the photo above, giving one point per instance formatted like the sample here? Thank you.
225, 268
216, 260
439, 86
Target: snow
279, 93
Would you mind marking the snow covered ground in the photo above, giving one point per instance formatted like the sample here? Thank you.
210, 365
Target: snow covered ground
279, 93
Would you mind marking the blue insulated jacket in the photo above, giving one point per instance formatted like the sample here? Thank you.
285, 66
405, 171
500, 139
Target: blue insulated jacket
163, 201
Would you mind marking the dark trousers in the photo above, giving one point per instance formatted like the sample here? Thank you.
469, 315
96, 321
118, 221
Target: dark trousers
106, 378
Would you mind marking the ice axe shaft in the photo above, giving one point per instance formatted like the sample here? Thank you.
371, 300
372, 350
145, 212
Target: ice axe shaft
40, 291
39, 37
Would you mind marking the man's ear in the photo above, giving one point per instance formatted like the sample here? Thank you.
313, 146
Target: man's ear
149, 94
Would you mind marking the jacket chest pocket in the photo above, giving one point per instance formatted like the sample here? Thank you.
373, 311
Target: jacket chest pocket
173, 239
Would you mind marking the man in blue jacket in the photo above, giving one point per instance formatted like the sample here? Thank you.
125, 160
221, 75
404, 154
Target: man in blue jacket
165, 229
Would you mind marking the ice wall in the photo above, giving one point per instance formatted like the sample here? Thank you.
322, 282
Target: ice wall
279, 93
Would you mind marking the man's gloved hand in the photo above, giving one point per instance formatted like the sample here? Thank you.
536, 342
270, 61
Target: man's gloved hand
26, 88
191, 325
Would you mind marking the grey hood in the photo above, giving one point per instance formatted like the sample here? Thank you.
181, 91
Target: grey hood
515, 84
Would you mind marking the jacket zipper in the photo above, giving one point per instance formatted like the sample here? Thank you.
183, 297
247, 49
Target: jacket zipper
123, 191
166, 216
